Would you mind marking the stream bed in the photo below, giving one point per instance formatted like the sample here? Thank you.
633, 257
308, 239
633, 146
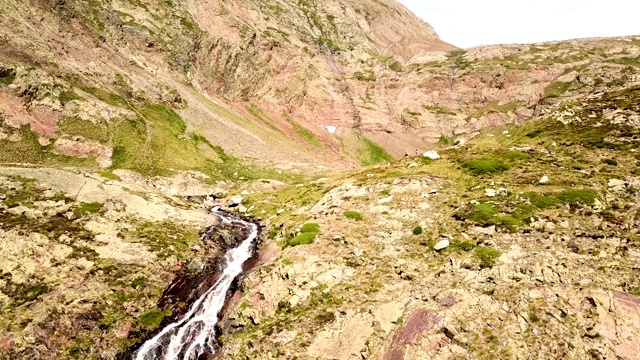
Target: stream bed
193, 335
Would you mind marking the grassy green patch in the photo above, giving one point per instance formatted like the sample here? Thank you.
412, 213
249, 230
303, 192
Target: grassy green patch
109, 98
465, 245
77, 127
305, 134
7, 76
577, 196
302, 239
139, 282
489, 215
25, 294
483, 214
166, 238
29, 150
556, 89
496, 107
307, 235
395, 66
353, 215
310, 227
371, 153
441, 110
152, 318
540, 201
485, 165
68, 95
487, 256
109, 175
365, 76
88, 209
417, 230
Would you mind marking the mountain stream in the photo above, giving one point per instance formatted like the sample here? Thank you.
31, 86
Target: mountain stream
193, 334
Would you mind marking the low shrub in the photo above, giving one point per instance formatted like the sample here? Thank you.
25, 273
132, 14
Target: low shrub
487, 256
310, 227
307, 235
417, 230
353, 215
302, 239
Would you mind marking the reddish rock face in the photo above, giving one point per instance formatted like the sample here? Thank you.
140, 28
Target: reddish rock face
7, 343
627, 346
419, 323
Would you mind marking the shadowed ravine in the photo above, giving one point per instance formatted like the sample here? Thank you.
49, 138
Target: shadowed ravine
193, 334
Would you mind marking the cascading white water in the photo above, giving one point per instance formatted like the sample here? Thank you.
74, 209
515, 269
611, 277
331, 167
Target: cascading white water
194, 333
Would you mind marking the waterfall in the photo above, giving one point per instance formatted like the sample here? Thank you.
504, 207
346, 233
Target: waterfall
194, 333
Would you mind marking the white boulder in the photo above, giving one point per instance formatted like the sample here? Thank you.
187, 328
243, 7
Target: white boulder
432, 154
441, 245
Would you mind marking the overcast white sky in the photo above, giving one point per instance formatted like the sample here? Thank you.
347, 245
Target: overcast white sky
467, 23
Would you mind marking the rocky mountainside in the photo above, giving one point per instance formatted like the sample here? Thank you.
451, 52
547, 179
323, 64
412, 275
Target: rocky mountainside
260, 79
521, 244
123, 121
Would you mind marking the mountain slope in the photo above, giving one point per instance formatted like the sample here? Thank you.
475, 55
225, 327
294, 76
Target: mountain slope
259, 79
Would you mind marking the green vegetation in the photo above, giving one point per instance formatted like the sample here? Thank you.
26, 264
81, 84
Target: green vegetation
412, 113
445, 140
483, 214
441, 110
456, 58
69, 95
556, 89
495, 107
417, 230
353, 215
77, 127
310, 227
109, 98
566, 197
365, 76
88, 209
307, 235
371, 153
485, 165
540, 201
190, 25
165, 238
81, 251
7, 76
385, 192
487, 256
139, 282
305, 134
25, 294
29, 150
152, 318
577, 196
457, 246
395, 66
109, 175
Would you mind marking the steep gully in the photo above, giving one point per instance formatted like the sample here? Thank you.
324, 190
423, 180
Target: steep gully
193, 335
